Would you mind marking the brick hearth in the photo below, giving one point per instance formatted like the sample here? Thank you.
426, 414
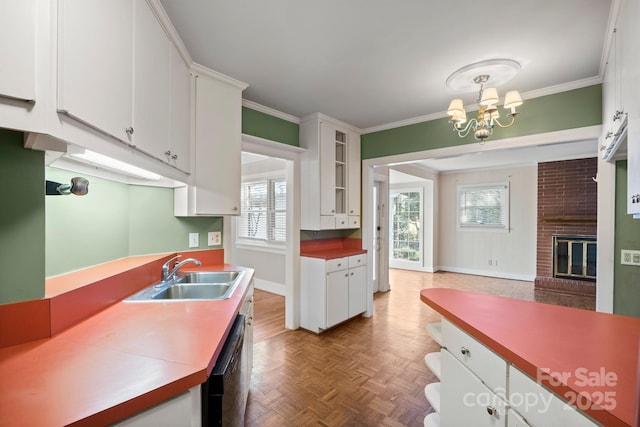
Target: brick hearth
567, 205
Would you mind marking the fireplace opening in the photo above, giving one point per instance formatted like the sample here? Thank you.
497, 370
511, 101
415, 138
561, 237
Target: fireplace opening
574, 257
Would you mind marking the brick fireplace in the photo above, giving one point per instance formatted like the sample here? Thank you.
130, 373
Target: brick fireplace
567, 206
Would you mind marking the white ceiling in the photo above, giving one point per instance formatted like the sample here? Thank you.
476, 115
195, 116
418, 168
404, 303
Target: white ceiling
374, 62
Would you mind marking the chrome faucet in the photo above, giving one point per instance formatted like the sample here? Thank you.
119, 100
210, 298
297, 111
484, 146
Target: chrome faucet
168, 275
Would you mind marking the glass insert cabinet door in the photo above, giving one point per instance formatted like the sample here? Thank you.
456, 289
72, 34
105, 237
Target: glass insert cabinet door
406, 227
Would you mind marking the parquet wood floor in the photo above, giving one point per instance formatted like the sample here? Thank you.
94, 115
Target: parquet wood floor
367, 371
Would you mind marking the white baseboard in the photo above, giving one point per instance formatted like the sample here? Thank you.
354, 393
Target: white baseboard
489, 273
273, 287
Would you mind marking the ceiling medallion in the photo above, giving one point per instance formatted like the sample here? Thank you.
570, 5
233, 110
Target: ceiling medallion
496, 72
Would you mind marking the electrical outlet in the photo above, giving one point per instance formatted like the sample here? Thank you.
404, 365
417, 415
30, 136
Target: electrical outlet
194, 240
214, 238
630, 257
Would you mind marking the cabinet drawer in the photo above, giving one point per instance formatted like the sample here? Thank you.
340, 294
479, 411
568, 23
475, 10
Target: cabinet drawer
357, 260
539, 406
354, 221
488, 366
337, 264
342, 221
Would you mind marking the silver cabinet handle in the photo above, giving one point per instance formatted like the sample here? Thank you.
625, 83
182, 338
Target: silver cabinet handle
491, 410
465, 351
174, 157
167, 153
129, 130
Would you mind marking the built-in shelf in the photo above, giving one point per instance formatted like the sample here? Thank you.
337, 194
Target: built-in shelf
432, 420
434, 363
432, 393
435, 330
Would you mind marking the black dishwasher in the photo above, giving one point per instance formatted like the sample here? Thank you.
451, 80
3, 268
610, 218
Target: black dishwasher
223, 401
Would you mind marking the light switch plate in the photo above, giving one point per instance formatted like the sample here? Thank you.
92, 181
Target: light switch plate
214, 238
630, 257
194, 240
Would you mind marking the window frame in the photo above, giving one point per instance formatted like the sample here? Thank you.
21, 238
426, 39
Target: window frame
505, 207
269, 243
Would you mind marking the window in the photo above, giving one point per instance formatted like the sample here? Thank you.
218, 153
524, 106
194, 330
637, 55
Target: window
406, 218
484, 206
264, 211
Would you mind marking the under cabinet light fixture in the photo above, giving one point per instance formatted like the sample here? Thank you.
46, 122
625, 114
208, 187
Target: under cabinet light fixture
102, 161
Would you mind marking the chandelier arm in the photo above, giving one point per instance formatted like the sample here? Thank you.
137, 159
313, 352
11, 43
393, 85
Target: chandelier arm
462, 133
513, 120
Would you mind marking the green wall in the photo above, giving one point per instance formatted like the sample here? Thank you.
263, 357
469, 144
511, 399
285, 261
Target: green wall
626, 291
114, 221
259, 124
567, 110
22, 220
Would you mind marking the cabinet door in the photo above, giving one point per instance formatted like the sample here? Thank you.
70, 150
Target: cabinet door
217, 147
354, 166
465, 401
18, 52
357, 290
180, 144
515, 420
539, 406
95, 72
337, 297
629, 34
152, 83
327, 169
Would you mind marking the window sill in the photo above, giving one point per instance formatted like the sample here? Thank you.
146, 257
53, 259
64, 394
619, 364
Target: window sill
261, 247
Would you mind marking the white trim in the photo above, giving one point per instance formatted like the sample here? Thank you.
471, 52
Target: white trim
271, 148
201, 69
324, 117
273, 287
270, 111
611, 25
259, 245
539, 139
550, 90
498, 274
170, 30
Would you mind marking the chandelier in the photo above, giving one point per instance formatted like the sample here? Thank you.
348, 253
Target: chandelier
488, 114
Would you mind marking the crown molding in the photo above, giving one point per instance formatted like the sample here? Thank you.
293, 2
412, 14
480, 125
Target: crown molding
202, 70
160, 13
550, 90
324, 117
270, 111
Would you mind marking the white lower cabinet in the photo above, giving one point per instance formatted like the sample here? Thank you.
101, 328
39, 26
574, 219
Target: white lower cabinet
332, 291
539, 406
479, 388
183, 410
465, 400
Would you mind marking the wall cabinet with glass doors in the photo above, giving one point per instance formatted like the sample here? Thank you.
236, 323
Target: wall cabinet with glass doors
330, 174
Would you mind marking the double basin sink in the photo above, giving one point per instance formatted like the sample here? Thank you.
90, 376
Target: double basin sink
195, 285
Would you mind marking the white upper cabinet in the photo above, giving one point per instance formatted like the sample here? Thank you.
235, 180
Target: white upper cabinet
215, 182
629, 35
151, 83
18, 52
180, 139
95, 64
120, 73
330, 174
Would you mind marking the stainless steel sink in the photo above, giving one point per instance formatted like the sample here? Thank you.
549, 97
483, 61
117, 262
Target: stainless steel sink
207, 277
197, 285
194, 291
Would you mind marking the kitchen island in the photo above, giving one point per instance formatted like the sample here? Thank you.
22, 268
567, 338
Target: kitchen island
122, 360
585, 358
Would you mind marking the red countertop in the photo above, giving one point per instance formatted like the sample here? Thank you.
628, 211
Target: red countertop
331, 248
535, 336
118, 362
